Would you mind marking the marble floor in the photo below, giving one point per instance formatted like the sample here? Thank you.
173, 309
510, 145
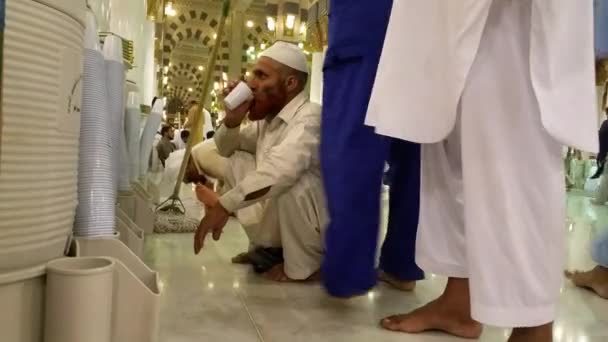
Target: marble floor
206, 298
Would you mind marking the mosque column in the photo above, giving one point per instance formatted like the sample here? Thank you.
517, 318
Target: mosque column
316, 42
237, 38
316, 77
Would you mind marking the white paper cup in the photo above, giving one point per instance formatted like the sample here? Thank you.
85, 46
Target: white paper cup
238, 96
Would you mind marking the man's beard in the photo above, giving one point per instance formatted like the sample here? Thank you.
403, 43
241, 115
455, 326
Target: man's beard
268, 103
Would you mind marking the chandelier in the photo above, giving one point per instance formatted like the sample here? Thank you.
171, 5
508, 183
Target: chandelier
287, 19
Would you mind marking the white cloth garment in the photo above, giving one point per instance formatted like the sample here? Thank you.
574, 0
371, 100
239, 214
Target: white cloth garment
207, 126
431, 44
177, 140
206, 157
155, 164
492, 191
280, 154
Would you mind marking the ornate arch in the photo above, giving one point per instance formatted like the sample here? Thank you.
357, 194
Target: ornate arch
185, 27
200, 26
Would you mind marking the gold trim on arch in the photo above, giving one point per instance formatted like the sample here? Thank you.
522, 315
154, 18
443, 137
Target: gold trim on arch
155, 10
316, 37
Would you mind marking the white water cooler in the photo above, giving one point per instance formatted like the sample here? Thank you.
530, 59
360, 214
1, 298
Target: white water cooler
39, 131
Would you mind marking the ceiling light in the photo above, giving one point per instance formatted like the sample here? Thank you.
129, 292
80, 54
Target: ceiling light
249, 23
270, 23
201, 68
225, 76
170, 64
263, 46
251, 49
190, 89
216, 85
303, 28
247, 74
165, 80
290, 21
301, 45
169, 10
215, 36
166, 69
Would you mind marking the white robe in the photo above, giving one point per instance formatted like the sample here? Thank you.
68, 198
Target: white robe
490, 86
430, 47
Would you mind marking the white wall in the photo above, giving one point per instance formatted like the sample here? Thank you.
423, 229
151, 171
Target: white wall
127, 18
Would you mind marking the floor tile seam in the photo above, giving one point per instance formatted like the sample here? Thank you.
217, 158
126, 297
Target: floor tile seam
251, 319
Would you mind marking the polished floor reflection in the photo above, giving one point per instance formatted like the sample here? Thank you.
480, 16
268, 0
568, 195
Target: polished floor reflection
206, 298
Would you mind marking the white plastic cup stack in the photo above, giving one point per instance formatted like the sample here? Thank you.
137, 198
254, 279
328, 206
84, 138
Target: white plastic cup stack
238, 96
95, 211
147, 137
115, 73
132, 126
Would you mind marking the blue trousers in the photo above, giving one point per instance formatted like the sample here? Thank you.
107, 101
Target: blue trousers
352, 162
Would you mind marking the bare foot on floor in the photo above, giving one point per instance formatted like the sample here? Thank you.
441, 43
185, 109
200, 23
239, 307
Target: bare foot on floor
450, 313
435, 316
277, 273
595, 280
396, 283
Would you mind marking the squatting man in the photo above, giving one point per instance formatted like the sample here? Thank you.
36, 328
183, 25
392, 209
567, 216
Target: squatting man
269, 165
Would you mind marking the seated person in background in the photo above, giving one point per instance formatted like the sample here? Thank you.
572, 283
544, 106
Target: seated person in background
165, 146
270, 169
184, 134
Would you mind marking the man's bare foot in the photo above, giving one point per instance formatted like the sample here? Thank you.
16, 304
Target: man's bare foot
242, 259
543, 333
396, 283
206, 195
277, 273
450, 313
595, 280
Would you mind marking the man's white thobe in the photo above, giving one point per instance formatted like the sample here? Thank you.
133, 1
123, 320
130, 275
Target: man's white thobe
273, 182
491, 87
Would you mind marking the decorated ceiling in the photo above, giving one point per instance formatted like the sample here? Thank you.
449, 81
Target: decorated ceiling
187, 31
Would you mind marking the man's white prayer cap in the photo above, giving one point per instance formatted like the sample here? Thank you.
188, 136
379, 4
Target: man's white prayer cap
287, 54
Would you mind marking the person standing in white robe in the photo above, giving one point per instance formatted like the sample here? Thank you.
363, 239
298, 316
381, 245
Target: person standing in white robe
483, 84
207, 119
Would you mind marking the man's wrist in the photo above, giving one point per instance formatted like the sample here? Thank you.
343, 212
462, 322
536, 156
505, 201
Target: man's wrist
221, 208
229, 201
232, 123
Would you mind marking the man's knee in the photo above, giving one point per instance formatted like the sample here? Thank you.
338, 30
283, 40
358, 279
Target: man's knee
212, 164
